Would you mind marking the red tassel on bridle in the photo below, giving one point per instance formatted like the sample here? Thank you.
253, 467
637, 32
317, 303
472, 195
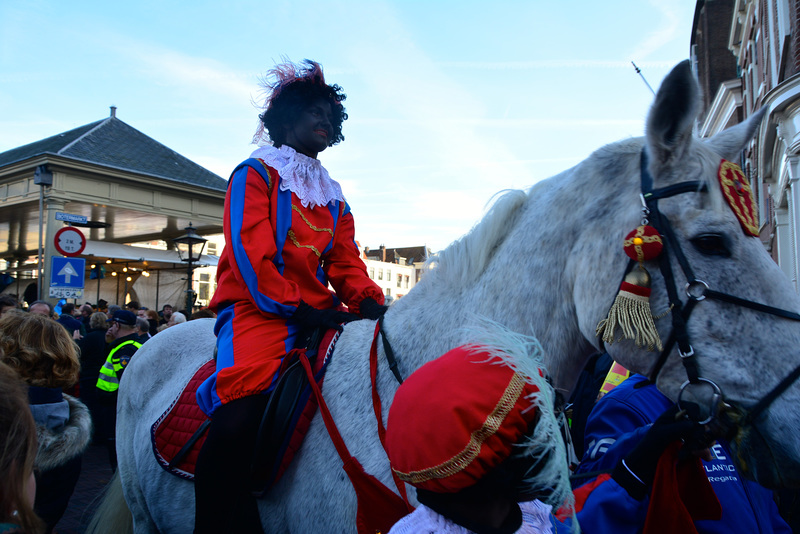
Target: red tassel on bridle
631, 309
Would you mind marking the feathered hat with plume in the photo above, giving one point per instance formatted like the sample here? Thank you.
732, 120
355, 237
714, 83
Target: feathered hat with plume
279, 78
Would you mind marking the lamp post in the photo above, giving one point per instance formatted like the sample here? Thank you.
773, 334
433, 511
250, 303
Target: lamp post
190, 248
43, 178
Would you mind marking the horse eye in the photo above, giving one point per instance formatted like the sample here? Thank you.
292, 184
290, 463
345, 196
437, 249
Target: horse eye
711, 245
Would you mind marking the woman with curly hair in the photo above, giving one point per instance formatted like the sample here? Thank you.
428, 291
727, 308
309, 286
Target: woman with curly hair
17, 454
46, 358
288, 233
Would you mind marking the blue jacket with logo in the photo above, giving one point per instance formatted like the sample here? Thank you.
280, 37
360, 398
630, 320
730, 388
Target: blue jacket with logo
617, 424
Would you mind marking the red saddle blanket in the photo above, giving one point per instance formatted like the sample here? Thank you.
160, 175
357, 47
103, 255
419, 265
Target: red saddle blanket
184, 418
178, 424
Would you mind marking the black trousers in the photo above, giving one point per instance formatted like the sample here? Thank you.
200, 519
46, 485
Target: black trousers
223, 502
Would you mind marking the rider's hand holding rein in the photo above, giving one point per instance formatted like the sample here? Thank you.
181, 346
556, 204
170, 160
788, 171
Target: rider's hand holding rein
370, 309
329, 318
636, 472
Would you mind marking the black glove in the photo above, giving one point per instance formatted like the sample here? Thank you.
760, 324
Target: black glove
310, 316
637, 470
370, 309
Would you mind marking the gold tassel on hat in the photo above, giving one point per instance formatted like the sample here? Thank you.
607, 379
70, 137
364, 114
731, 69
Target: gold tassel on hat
631, 309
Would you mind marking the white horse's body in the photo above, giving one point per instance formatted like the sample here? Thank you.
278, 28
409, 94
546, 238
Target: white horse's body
545, 263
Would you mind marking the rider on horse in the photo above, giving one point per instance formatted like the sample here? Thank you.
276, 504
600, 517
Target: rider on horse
288, 233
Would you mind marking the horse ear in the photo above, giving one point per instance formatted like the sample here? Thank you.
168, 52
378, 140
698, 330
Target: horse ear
730, 142
670, 121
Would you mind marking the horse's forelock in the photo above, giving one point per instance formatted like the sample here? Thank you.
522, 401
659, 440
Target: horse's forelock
466, 258
698, 163
710, 165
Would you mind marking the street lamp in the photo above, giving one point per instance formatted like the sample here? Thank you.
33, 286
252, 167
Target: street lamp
190, 248
43, 178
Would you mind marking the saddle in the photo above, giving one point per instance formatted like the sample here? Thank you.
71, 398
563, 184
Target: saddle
178, 435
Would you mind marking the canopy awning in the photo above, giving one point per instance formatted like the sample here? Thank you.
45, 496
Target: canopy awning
118, 251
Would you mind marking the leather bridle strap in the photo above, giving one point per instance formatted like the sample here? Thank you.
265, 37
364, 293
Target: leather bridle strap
724, 297
391, 359
681, 313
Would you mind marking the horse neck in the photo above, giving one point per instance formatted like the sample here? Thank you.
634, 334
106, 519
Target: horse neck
524, 287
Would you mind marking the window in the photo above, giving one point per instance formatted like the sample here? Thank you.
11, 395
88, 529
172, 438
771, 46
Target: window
203, 294
212, 248
400, 279
372, 272
205, 286
406, 281
380, 274
388, 292
388, 275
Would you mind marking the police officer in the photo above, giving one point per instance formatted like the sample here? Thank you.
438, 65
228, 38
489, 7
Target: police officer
125, 342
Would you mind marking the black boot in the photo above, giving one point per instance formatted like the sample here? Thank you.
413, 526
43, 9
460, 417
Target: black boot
223, 502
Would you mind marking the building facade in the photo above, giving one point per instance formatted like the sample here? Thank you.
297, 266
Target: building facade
126, 193
395, 270
762, 37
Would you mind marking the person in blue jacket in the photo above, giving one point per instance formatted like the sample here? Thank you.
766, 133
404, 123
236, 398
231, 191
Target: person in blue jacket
617, 425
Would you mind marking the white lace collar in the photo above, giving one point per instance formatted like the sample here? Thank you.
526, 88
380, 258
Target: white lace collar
303, 176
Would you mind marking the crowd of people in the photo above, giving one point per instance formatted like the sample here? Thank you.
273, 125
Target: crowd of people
59, 374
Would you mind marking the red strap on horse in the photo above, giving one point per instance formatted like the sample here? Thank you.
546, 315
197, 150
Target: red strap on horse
376, 406
378, 507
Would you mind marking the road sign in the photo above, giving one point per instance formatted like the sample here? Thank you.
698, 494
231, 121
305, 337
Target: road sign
66, 293
67, 277
71, 218
70, 241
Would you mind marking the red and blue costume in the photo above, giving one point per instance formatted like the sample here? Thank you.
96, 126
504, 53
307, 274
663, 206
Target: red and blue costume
278, 252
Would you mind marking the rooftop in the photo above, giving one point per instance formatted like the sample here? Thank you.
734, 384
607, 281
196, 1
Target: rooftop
112, 143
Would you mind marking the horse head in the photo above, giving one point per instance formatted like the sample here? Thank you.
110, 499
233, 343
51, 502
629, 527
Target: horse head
712, 334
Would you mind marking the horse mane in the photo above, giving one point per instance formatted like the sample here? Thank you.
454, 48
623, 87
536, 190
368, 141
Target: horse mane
464, 260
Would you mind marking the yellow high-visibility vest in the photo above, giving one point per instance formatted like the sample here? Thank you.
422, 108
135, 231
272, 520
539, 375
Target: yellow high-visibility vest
615, 376
109, 373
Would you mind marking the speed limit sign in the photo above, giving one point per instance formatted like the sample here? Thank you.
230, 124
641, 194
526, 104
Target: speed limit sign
70, 241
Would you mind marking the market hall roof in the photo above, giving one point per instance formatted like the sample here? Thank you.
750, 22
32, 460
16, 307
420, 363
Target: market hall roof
131, 189
112, 143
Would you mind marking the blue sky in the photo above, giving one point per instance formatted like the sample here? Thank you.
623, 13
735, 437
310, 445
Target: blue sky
449, 102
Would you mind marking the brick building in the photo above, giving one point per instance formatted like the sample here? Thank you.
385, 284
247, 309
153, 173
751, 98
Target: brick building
763, 38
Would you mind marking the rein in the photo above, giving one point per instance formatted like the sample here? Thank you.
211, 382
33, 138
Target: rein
387, 349
696, 290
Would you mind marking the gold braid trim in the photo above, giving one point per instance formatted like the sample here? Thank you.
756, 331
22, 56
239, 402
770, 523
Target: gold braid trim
269, 174
748, 219
298, 245
295, 208
470, 452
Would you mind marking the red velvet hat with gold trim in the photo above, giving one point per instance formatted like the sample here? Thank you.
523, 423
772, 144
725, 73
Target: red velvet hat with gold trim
456, 418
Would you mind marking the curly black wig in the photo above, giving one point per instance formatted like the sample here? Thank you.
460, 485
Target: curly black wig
296, 97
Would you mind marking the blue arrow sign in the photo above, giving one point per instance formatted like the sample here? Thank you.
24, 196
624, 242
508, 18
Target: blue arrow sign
67, 272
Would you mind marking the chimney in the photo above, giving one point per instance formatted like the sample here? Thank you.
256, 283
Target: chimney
114, 111
383, 253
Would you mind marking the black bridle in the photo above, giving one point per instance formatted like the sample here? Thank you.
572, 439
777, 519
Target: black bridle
696, 291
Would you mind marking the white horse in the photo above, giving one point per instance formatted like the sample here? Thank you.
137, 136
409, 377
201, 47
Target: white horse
548, 263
